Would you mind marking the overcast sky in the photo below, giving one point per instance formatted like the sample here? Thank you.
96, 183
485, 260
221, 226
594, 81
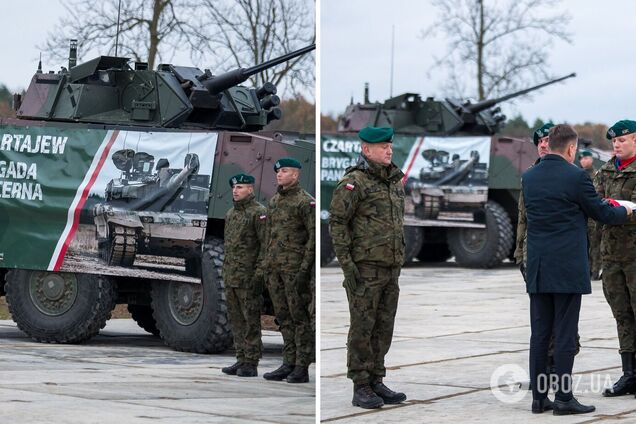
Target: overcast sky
356, 47
27, 23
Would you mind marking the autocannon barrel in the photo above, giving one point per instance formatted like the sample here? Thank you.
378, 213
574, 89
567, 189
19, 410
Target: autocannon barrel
229, 79
487, 104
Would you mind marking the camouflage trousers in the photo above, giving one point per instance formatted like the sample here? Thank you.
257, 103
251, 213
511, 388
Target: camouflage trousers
292, 314
244, 311
372, 308
619, 287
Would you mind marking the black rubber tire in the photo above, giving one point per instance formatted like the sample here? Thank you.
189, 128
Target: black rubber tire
413, 239
142, 314
498, 240
210, 331
96, 297
434, 252
327, 254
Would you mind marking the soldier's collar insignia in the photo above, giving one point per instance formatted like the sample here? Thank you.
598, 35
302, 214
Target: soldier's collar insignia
350, 187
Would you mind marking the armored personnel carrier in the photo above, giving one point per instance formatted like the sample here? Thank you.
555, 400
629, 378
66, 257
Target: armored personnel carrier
114, 189
462, 178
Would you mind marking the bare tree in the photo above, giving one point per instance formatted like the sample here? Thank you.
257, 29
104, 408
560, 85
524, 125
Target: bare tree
150, 30
503, 44
247, 32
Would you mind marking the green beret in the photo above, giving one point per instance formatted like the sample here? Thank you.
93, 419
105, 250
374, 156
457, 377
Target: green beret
622, 127
541, 132
241, 179
376, 134
286, 163
585, 153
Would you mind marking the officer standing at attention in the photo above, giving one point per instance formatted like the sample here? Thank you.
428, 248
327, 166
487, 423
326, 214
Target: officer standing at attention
616, 179
290, 261
243, 274
367, 227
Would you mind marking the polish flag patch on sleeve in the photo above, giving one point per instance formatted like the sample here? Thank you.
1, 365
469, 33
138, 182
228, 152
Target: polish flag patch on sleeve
262, 217
312, 204
350, 187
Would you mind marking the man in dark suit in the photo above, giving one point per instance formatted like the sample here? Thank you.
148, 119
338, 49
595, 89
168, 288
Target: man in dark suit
559, 197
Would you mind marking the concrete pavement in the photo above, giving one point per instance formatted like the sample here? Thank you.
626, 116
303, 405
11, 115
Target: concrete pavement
126, 376
455, 328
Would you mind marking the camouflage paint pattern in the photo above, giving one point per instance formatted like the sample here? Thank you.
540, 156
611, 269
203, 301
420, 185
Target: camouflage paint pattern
619, 271
291, 235
366, 223
245, 232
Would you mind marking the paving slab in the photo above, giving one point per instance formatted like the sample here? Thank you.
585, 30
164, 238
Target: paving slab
455, 329
125, 375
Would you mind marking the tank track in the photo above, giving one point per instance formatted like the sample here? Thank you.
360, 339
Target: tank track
123, 246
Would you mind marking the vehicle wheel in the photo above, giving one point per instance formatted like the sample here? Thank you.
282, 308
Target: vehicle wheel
142, 314
193, 317
434, 252
483, 247
327, 254
56, 307
413, 238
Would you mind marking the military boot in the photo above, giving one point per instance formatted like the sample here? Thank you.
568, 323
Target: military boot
247, 370
280, 373
365, 397
232, 369
627, 383
299, 375
388, 396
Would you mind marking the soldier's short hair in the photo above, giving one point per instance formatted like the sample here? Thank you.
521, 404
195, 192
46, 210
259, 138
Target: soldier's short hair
561, 136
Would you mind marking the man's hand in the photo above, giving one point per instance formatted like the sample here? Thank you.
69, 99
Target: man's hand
351, 275
522, 268
629, 210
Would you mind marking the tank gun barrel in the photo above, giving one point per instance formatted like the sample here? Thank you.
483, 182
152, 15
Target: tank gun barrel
237, 76
487, 104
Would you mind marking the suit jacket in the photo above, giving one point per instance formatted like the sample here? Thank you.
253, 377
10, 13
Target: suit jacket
559, 197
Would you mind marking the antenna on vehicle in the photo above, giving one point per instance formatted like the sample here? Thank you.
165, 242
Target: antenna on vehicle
117, 35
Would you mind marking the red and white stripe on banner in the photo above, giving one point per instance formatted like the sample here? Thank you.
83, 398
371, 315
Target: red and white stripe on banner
410, 160
72, 218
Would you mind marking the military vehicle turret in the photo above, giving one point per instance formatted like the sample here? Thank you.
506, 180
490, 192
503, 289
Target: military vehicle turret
462, 179
114, 189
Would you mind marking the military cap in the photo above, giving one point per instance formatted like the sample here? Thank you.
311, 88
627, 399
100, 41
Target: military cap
585, 153
539, 133
376, 134
241, 179
286, 163
622, 127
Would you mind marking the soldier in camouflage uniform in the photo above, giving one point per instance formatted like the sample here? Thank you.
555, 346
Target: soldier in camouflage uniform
616, 179
366, 222
586, 160
290, 261
243, 274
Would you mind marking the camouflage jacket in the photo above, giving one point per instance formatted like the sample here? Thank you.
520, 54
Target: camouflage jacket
521, 253
291, 230
366, 217
618, 242
244, 242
